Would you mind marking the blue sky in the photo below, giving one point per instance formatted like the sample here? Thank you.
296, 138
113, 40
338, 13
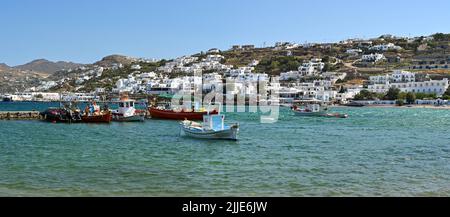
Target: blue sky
86, 30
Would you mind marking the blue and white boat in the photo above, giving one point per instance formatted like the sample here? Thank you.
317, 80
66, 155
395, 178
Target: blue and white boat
213, 127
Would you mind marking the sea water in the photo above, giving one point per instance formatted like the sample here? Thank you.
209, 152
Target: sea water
374, 152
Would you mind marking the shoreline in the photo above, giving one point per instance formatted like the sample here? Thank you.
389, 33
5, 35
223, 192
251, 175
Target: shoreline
445, 107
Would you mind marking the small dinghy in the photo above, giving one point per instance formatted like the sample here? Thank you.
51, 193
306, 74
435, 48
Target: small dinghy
213, 127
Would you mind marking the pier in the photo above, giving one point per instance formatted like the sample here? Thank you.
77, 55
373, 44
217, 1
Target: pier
19, 115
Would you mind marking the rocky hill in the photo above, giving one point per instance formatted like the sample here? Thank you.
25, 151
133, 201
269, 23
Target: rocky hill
114, 59
429, 54
46, 66
4, 67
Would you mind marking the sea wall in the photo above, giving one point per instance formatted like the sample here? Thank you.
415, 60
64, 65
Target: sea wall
19, 115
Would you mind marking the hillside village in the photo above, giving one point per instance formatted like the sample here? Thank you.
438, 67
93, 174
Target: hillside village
363, 69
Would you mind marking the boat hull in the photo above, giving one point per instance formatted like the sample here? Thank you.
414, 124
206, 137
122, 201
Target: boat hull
320, 114
227, 134
309, 114
60, 116
104, 118
172, 115
134, 118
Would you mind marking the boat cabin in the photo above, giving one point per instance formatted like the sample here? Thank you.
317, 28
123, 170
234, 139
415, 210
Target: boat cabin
126, 107
214, 122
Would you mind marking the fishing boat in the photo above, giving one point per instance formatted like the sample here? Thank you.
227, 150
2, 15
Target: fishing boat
315, 110
127, 111
161, 109
62, 115
213, 127
104, 117
309, 110
7, 98
354, 104
93, 114
65, 113
181, 114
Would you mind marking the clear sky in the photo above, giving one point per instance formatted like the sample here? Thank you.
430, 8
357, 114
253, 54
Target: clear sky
86, 30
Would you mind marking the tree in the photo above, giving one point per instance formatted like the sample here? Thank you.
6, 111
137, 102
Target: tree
447, 94
327, 67
292, 65
410, 98
274, 65
399, 102
392, 94
364, 95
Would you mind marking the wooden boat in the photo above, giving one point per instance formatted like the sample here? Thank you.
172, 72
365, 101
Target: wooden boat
61, 115
309, 110
93, 114
335, 115
127, 112
104, 117
213, 127
315, 110
7, 98
354, 104
178, 115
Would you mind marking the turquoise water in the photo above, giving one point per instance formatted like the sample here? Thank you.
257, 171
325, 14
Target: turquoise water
375, 152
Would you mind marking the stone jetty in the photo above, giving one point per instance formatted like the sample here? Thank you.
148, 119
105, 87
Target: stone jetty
19, 115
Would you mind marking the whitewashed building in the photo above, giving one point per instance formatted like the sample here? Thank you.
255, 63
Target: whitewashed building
372, 57
433, 86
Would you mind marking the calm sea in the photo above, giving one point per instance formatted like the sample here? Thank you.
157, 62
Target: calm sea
374, 152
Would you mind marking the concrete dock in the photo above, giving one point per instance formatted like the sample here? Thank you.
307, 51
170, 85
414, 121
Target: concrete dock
19, 115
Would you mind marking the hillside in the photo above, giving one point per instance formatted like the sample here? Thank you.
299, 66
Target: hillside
46, 66
425, 54
114, 59
4, 67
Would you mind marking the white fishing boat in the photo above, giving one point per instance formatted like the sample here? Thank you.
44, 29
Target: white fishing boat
309, 110
213, 127
315, 110
127, 111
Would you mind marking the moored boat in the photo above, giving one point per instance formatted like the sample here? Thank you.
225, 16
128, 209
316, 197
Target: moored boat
93, 114
309, 110
104, 117
127, 111
7, 98
213, 127
354, 104
315, 110
63, 115
178, 115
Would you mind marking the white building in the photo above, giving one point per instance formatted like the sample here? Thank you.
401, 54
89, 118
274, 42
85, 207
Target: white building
312, 67
353, 51
385, 47
372, 57
397, 76
214, 58
136, 67
291, 75
433, 86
